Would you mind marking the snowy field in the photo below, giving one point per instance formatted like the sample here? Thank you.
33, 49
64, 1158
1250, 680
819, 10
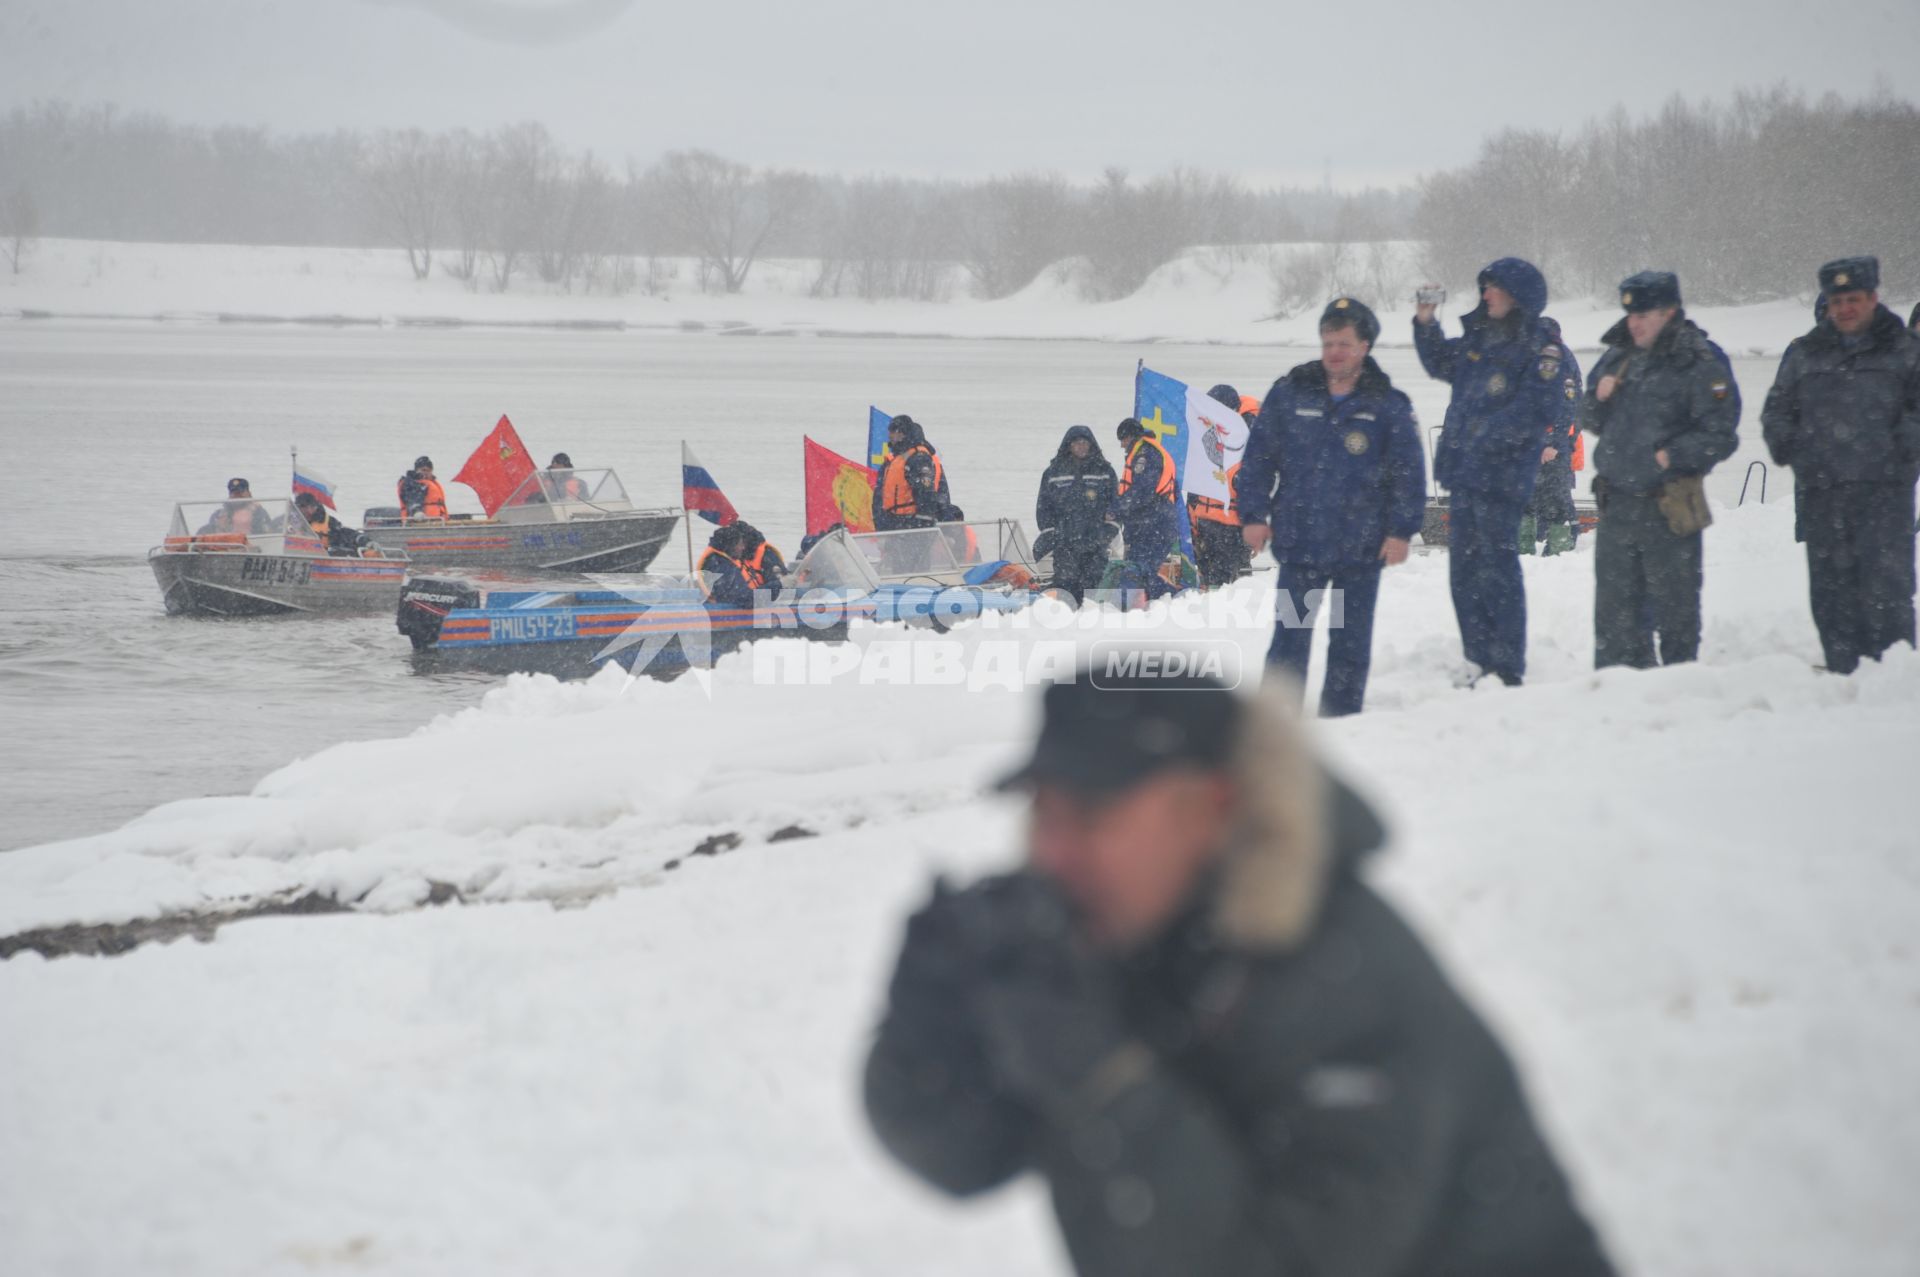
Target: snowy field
1687, 897
1205, 295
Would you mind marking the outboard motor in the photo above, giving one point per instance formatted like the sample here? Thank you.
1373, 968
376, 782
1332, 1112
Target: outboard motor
425, 602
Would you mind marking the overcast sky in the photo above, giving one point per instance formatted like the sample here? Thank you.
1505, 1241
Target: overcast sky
1369, 90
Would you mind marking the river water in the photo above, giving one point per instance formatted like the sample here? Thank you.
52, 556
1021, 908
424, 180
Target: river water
109, 707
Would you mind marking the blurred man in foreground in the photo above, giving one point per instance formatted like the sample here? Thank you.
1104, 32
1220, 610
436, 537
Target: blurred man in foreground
1188, 1012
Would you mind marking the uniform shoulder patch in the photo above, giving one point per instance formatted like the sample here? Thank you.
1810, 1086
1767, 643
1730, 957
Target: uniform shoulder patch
1720, 389
1140, 464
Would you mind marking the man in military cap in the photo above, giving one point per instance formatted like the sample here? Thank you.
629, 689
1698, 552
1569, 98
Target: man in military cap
1664, 403
1844, 412
1189, 1012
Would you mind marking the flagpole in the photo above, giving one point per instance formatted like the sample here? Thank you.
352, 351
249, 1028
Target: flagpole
686, 512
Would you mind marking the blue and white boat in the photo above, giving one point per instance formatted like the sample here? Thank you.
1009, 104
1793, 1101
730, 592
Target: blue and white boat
662, 625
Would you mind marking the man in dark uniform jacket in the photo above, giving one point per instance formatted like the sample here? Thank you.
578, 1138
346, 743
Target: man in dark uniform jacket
1667, 410
1844, 412
1190, 1013
1506, 372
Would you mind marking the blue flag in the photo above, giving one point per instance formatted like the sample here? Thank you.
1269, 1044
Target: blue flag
877, 436
1160, 403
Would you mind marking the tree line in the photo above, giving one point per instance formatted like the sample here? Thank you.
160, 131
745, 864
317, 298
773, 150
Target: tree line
504, 206
1742, 199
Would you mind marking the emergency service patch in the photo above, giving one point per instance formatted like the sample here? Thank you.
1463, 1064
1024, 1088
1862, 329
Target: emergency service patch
1356, 441
1549, 363
1719, 390
1140, 464
1497, 384
1474, 356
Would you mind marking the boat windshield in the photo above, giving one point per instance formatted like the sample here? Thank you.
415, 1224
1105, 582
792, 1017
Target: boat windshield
943, 554
585, 490
246, 522
835, 564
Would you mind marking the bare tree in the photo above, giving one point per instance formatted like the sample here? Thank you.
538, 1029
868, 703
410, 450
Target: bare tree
1015, 227
470, 163
410, 177
19, 226
724, 213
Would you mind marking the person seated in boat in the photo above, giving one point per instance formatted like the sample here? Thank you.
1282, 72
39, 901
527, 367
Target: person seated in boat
247, 516
342, 542
219, 523
762, 560
562, 481
723, 574
421, 496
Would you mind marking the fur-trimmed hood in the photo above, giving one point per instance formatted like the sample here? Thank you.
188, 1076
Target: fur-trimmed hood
1299, 826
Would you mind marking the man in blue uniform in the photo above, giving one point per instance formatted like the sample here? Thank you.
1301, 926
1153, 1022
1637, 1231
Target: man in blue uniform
1844, 412
1336, 480
1507, 378
1143, 505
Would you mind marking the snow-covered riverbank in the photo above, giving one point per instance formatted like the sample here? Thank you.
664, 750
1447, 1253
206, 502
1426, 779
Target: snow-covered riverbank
1205, 295
1686, 896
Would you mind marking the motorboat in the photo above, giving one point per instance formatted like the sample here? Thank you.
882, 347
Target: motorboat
254, 557
554, 521
662, 624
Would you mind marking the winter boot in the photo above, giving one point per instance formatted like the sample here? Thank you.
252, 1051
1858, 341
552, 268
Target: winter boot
1559, 538
1529, 534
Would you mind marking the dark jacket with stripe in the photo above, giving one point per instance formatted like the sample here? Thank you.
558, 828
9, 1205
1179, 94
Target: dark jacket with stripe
1847, 413
1679, 396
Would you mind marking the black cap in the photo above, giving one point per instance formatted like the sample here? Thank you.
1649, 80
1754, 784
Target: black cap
1102, 733
901, 422
237, 486
1225, 394
423, 461
1649, 290
1344, 309
560, 461
1847, 274
1129, 429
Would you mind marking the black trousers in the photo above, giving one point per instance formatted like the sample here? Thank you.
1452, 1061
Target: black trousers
1646, 581
1219, 552
1860, 568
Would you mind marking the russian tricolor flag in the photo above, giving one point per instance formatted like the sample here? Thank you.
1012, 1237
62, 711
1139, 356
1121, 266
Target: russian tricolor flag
307, 479
700, 494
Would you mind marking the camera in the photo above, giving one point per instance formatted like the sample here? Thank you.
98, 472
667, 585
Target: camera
1432, 296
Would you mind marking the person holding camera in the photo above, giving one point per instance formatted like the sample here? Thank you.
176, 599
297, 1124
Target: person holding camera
1667, 410
1191, 1015
1506, 370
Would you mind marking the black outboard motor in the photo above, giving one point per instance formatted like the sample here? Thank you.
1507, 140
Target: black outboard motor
425, 602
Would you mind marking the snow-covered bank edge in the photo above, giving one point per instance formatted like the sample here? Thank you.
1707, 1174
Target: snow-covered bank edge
1204, 297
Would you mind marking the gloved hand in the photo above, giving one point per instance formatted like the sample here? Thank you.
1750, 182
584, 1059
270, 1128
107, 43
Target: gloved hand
921, 521
1048, 1012
1110, 529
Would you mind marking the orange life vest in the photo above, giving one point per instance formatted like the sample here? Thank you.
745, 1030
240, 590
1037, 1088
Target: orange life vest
896, 494
435, 506
1213, 509
1579, 449
1165, 487
701, 574
757, 569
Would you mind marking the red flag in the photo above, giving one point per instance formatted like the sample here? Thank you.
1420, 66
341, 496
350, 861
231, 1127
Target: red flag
498, 466
838, 491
